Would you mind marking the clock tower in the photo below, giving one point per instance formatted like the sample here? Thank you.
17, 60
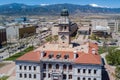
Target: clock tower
64, 29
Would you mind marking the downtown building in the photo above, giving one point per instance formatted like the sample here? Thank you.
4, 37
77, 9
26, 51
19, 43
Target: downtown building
62, 60
3, 39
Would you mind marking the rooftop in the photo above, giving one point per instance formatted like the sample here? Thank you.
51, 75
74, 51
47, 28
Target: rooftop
64, 55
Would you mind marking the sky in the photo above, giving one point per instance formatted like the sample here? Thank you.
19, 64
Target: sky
103, 3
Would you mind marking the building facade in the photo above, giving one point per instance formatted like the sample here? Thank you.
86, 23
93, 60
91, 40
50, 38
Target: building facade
112, 23
3, 38
62, 60
15, 32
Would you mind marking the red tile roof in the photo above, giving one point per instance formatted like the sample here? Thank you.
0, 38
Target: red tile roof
84, 58
30, 56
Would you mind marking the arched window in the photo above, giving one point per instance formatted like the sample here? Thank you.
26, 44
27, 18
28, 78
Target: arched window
78, 78
57, 66
30, 76
70, 67
20, 75
94, 79
64, 67
34, 76
83, 78
89, 78
50, 66
44, 66
25, 75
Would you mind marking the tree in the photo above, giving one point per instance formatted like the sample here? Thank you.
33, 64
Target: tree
49, 39
113, 57
117, 73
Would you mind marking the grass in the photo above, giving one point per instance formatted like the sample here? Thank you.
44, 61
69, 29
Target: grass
4, 78
17, 55
104, 49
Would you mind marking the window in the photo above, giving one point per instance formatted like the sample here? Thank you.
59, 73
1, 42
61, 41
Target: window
64, 67
51, 55
49, 75
57, 66
25, 75
20, 75
95, 71
64, 76
29, 67
58, 56
89, 71
50, 66
66, 56
70, 76
83, 78
89, 78
84, 70
70, 67
65, 27
44, 66
24, 67
34, 67
44, 75
20, 67
30, 76
94, 79
34, 75
78, 70
78, 78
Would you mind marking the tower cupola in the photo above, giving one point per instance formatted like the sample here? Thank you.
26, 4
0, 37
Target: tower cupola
64, 12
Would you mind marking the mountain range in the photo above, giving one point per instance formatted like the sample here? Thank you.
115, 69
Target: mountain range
54, 9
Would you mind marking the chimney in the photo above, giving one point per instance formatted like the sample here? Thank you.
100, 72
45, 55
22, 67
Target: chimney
75, 54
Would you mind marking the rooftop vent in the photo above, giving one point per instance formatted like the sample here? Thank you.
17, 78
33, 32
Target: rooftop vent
66, 56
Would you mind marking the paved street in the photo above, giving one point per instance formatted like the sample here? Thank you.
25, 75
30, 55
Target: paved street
8, 70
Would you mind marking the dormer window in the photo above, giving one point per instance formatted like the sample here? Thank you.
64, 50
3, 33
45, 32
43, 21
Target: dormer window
51, 55
44, 54
66, 56
58, 56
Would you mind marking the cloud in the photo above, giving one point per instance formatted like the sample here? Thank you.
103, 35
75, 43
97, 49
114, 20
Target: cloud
44, 4
95, 5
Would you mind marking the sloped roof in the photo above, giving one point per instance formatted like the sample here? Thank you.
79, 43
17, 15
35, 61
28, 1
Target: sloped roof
83, 58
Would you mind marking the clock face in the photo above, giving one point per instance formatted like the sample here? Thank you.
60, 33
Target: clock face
63, 37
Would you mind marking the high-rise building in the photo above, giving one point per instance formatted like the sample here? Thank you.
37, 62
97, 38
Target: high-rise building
3, 39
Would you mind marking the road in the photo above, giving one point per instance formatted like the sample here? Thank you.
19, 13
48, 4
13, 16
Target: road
32, 41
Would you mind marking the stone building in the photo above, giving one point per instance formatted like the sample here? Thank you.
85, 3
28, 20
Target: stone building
61, 61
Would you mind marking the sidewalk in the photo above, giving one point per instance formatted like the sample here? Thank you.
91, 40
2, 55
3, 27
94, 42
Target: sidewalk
8, 70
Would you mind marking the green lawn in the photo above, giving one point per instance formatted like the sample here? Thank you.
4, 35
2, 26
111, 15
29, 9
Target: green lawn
17, 55
4, 78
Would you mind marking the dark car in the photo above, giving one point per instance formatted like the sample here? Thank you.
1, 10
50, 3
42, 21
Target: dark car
112, 43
